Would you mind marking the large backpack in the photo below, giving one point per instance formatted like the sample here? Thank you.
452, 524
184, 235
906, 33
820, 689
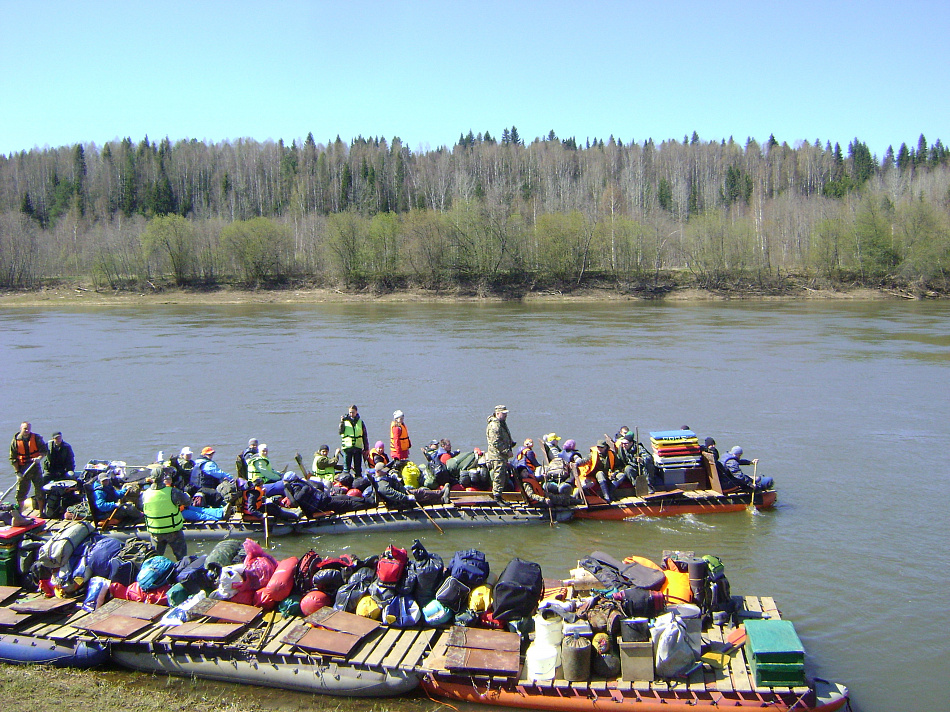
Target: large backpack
391, 565
58, 550
518, 590
303, 575
469, 567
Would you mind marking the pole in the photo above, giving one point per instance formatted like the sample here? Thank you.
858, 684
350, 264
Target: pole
17, 480
266, 529
429, 517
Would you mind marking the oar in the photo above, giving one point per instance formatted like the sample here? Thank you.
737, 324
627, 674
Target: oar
301, 466
17, 480
429, 516
754, 477
266, 529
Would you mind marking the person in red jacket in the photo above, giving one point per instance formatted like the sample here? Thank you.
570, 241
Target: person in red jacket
399, 437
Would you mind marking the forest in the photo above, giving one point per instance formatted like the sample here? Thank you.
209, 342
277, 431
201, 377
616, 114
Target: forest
486, 216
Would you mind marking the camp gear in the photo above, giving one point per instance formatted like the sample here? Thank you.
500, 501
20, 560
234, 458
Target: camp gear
367, 607
436, 614
453, 594
541, 661
518, 590
674, 654
155, 573
634, 630
402, 612
575, 658
60, 547
775, 653
429, 574
307, 567
618, 574
480, 599
469, 567
349, 595
391, 565
314, 601
641, 603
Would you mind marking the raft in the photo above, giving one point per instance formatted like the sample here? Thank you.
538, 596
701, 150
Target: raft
27, 649
491, 680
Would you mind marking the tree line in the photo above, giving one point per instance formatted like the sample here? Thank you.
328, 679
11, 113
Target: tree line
486, 214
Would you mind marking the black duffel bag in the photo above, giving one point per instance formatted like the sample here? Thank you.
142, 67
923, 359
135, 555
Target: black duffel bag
518, 590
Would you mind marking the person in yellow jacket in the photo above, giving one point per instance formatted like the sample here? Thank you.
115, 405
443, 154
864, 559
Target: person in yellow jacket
162, 505
353, 440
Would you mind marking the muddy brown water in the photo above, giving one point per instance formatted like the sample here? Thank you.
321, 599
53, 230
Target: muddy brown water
844, 404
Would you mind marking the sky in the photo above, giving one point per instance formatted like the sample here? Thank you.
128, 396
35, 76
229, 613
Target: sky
95, 71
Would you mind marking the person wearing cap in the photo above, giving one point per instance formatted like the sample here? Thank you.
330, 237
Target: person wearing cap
600, 465
732, 463
377, 455
631, 460
106, 499
500, 444
525, 457
27, 450
570, 454
353, 440
551, 443
182, 463
251, 449
399, 442
162, 504
325, 467
60, 461
206, 476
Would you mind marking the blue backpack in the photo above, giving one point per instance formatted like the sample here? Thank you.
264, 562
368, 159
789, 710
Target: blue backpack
155, 573
470, 567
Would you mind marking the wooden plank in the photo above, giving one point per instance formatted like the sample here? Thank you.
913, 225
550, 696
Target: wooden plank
113, 625
399, 650
383, 646
8, 592
342, 621
474, 660
276, 630
435, 661
205, 632
483, 639
43, 605
9, 618
768, 605
227, 611
134, 609
420, 647
328, 642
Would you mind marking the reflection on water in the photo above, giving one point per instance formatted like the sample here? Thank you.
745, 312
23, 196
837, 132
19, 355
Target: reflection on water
845, 404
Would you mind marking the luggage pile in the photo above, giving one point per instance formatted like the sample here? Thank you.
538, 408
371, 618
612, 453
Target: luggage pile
630, 619
676, 452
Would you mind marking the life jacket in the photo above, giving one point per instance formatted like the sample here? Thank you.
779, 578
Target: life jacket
245, 501
376, 456
594, 465
399, 438
532, 481
162, 516
328, 471
352, 434
26, 450
527, 459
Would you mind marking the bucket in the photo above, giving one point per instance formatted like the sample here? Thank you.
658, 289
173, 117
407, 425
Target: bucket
541, 661
548, 631
693, 620
634, 630
575, 659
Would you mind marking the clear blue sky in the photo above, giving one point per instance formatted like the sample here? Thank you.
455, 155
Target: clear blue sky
427, 71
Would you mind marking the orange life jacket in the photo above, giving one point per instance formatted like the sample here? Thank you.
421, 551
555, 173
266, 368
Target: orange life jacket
593, 465
375, 456
26, 450
399, 438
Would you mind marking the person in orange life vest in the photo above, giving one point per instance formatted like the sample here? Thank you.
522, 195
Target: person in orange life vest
377, 456
27, 450
601, 463
525, 457
399, 442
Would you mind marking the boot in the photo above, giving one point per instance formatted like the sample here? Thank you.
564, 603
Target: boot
447, 493
18, 520
604, 487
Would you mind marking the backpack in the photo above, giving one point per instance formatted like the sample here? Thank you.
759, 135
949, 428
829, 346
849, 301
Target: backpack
469, 567
155, 573
518, 590
453, 594
349, 595
402, 612
191, 573
410, 475
641, 602
136, 551
308, 565
58, 550
391, 565
429, 574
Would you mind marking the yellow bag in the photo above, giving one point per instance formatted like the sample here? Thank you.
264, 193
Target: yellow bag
410, 475
480, 599
368, 608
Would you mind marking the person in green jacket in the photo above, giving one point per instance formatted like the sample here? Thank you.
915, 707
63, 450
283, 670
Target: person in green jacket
259, 466
353, 440
324, 466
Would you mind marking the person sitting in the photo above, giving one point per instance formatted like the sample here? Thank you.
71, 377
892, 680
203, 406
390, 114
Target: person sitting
621, 434
205, 478
600, 465
551, 443
312, 498
324, 467
469, 470
255, 504
536, 495
106, 499
437, 472
732, 463
570, 454
259, 467
525, 457
60, 461
394, 493
377, 455
251, 450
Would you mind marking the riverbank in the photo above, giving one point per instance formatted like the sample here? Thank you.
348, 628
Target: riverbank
88, 296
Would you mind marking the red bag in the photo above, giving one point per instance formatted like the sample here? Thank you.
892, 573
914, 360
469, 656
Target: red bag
135, 593
391, 565
278, 587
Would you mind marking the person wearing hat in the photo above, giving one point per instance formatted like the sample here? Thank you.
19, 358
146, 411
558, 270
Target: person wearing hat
325, 467
399, 442
500, 444
551, 443
570, 454
377, 455
27, 450
106, 499
162, 504
732, 461
182, 463
60, 461
206, 476
600, 465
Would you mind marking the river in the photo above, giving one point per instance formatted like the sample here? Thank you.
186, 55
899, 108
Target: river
845, 404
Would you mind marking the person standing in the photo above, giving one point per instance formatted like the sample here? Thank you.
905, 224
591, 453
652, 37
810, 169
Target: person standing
60, 462
353, 440
500, 444
399, 437
27, 450
162, 505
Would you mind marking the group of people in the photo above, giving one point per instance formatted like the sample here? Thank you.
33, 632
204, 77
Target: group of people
188, 488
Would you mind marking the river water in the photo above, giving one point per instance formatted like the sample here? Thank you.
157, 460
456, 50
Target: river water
846, 405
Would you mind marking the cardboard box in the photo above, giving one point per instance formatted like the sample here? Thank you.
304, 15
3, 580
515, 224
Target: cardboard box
636, 661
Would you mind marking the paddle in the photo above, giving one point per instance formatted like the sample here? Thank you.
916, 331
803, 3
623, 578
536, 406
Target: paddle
17, 480
301, 466
429, 517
